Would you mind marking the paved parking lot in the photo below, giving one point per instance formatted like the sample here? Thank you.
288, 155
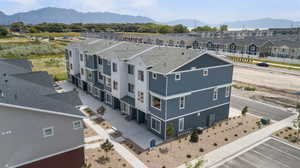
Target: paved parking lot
270, 154
260, 109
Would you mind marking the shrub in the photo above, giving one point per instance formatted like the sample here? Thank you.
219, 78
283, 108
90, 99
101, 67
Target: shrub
188, 155
249, 89
215, 144
235, 135
194, 137
226, 139
201, 150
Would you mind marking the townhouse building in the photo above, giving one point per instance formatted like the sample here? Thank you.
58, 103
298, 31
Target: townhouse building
39, 128
153, 85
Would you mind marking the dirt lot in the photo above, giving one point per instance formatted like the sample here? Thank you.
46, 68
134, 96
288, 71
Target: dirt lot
267, 78
89, 132
289, 135
182, 150
96, 157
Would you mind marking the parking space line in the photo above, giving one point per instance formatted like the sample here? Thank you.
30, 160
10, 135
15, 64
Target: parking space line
281, 151
269, 158
245, 160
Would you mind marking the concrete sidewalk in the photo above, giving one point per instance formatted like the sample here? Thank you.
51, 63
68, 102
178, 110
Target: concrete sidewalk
214, 157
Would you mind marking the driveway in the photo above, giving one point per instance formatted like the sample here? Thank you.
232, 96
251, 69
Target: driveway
270, 154
138, 133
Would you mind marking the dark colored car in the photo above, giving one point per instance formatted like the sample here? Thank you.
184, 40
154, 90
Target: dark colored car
263, 64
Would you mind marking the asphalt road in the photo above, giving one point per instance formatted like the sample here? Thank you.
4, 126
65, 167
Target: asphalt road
260, 109
270, 154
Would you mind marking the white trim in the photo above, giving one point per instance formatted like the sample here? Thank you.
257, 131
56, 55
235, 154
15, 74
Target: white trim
45, 130
177, 76
179, 128
80, 124
186, 93
45, 157
154, 75
159, 125
215, 94
40, 110
227, 91
205, 72
197, 111
108, 94
199, 69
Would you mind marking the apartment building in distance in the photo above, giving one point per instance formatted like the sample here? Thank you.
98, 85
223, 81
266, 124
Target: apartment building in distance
39, 128
153, 85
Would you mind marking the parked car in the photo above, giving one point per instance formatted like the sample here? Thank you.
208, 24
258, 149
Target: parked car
263, 64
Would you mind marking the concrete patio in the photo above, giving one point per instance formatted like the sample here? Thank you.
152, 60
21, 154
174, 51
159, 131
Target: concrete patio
138, 133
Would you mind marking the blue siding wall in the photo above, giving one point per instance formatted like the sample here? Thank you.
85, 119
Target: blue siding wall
193, 121
194, 80
157, 85
106, 67
162, 134
195, 102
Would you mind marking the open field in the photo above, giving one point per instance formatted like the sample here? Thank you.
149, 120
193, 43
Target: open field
14, 40
71, 34
181, 150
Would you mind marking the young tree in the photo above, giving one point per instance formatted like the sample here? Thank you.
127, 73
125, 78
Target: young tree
170, 131
198, 164
107, 146
194, 136
244, 111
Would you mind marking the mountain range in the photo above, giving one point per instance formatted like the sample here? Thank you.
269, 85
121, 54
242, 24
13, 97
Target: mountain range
61, 15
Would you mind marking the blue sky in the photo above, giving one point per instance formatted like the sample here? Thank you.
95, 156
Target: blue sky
209, 11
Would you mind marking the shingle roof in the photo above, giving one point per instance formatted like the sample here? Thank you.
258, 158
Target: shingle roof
40, 78
22, 63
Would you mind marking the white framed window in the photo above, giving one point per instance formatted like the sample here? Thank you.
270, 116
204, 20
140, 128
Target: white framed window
108, 99
100, 61
227, 91
115, 85
47, 132
141, 96
2, 94
215, 94
205, 72
156, 102
141, 76
154, 75
130, 69
181, 102
77, 125
130, 88
177, 76
156, 125
181, 124
108, 82
115, 67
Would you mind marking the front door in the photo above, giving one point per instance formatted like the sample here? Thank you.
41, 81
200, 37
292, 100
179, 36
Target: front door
125, 108
211, 119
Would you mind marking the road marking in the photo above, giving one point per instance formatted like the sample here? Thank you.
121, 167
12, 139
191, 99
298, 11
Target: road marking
271, 159
265, 144
245, 160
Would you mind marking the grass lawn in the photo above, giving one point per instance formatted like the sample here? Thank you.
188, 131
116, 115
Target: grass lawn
180, 151
14, 40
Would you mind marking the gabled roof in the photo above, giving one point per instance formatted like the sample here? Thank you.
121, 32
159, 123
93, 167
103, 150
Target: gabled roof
40, 78
22, 63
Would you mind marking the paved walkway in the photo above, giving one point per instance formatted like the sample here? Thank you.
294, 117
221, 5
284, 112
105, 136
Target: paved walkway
216, 156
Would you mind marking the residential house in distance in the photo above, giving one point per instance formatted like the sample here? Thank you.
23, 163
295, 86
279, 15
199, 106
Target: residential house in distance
153, 85
39, 128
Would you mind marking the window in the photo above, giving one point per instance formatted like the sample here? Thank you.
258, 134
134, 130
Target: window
100, 61
181, 124
130, 88
205, 72
154, 75
100, 76
227, 92
177, 76
156, 125
108, 82
47, 132
115, 67
71, 66
70, 53
181, 102
131, 69
156, 102
82, 71
81, 57
108, 99
115, 85
77, 125
141, 76
215, 95
141, 96
2, 93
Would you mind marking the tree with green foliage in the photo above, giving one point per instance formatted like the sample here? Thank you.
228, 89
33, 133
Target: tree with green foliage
194, 136
180, 29
198, 164
17, 27
204, 28
245, 111
107, 146
223, 28
3, 31
170, 131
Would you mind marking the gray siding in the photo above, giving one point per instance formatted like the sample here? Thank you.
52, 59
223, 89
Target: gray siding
106, 67
156, 112
157, 85
27, 142
195, 102
193, 121
162, 134
194, 80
